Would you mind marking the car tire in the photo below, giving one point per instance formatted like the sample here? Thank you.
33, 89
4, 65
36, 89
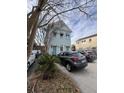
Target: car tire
69, 67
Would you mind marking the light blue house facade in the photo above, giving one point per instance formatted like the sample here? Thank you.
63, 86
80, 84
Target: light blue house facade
60, 40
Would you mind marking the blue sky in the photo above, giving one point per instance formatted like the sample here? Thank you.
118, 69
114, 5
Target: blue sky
80, 25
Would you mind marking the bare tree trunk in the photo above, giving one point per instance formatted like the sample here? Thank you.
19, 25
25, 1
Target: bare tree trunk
32, 36
31, 21
46, 49
47, 38
46, 42
32, 26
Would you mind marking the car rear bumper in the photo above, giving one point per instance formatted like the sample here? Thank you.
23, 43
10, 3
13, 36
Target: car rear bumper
80, 65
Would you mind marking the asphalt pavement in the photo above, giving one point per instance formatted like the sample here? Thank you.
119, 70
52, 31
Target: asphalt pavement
86, 79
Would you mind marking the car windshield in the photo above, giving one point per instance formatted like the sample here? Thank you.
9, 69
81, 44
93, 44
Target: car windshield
77, 54
90, 53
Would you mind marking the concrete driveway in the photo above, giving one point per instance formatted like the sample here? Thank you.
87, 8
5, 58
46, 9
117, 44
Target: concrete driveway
86, 78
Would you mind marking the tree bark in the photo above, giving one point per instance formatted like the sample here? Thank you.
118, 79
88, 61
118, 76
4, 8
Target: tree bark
32, 36
32, 25
48, 37
46, 42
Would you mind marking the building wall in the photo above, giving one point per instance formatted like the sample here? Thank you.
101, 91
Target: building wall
60, 41
86, 43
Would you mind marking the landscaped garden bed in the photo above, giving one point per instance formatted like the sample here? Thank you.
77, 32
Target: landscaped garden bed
49, 79
60, 84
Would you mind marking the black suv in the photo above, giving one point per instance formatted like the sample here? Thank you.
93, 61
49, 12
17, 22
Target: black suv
73, 60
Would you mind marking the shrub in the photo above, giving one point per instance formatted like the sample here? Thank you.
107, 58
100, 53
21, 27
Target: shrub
47, 65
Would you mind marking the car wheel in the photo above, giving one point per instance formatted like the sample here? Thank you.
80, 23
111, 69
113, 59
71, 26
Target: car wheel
68, 67
28, 65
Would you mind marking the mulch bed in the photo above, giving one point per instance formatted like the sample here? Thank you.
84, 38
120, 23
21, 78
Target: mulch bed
61, 83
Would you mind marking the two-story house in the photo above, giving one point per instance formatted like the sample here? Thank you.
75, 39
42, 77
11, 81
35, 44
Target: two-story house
61, 40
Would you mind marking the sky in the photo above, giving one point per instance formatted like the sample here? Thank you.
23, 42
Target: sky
80, 24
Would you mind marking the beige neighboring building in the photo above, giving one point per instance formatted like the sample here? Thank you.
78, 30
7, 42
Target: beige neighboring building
87, 42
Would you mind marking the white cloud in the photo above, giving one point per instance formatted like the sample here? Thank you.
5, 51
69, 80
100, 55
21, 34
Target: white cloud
80, 26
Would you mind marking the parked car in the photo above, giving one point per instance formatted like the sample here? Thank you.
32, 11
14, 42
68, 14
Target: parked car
72, 60
31, 58
38, 54
90, 55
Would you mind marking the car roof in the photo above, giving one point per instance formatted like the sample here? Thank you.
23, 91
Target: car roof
69, 52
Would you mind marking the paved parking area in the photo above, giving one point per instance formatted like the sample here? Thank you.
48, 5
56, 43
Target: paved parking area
86, 78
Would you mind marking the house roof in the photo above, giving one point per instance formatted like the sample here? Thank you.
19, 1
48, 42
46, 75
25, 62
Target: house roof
61, 26
87, 37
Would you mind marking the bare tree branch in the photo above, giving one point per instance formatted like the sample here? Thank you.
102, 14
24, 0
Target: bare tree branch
34, 7
62, 13
84, 12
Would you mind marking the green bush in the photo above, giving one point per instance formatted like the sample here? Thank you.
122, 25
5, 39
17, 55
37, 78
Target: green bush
47, 65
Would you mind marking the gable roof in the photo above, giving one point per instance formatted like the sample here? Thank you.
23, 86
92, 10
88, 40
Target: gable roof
61, 26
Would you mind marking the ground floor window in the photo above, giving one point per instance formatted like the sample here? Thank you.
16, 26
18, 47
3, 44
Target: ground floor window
61, 48
67, 48
54, 50
93, 47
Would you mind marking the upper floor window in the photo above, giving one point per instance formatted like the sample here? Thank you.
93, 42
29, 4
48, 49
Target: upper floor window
90, 40
83, 41
67, 35
61, 34
54, 33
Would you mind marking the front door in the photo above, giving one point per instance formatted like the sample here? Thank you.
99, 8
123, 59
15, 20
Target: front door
54, 50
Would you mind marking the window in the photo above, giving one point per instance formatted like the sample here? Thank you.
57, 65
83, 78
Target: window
83, 41
61, 34
93, 47
90, 40
54, 49
67, 35
54, 33
67, 48
61, 48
